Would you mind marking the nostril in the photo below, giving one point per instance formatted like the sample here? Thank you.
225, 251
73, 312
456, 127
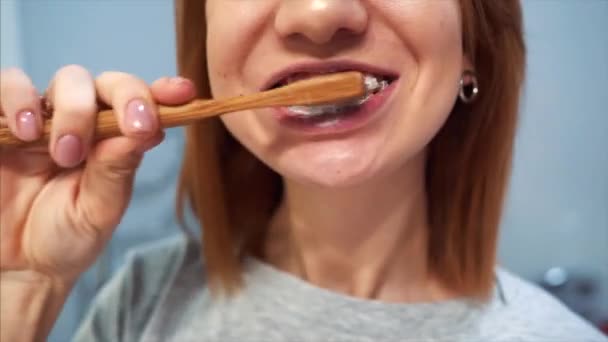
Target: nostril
321, 21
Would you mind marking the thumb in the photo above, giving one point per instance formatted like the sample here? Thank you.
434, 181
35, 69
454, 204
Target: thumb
107, 180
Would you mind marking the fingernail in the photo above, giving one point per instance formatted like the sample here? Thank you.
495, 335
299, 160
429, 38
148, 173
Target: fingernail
139, 117
27, 126
178, 80
68, 150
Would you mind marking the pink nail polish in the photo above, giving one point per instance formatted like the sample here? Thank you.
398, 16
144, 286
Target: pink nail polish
68, 150
27, 126
178, 80
139, 117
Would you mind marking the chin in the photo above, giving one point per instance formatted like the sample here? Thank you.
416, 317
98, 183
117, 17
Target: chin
336, 179
337, 164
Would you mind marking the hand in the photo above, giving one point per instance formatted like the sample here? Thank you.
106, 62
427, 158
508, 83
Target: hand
59, 204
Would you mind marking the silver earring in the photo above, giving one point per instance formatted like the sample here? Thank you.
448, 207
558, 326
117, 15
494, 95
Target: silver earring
469, 88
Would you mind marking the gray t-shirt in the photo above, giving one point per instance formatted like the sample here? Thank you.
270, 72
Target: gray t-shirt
161, 295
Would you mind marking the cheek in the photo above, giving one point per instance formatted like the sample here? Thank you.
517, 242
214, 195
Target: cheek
248, 130
220, 60
233, 31
430, 77
432, 81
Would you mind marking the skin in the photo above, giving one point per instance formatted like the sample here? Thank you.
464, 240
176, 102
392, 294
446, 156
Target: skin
353, 218
353, 215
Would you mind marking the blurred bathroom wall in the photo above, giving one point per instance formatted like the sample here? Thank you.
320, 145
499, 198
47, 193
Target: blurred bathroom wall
10, 52
557, 212
557, 209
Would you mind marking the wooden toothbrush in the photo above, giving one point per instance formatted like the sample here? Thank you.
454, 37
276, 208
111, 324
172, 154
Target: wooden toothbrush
318, 90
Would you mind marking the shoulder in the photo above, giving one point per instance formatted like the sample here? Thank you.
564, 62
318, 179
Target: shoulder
527, 312
152, 267
158, 259
123, 307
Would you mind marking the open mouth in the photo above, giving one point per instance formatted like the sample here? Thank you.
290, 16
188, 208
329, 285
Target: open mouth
375, 84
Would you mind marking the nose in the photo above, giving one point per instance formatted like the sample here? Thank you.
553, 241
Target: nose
320, 20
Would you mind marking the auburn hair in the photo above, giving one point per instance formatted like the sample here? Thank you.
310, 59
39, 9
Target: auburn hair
234, 195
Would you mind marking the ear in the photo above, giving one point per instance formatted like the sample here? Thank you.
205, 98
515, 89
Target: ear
466, 63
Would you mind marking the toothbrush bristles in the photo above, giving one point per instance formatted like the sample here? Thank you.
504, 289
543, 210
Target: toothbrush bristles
371, 84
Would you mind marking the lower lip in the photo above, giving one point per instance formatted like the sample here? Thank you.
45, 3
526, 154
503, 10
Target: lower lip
350, 121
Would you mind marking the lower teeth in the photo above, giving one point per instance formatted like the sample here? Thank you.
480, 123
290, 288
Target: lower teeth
327, 109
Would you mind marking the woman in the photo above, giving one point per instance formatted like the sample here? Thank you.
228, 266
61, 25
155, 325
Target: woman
375, 222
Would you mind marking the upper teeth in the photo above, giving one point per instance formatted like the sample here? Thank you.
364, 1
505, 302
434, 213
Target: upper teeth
373, 84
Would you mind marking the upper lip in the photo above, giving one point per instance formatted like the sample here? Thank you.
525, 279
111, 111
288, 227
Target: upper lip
326, 67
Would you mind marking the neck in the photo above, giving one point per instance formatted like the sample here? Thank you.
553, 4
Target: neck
368, 241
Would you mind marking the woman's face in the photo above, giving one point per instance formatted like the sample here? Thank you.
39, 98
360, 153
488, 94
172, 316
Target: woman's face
414, 47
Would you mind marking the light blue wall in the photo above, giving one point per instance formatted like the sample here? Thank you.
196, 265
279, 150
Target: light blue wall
557, 211
10, 53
